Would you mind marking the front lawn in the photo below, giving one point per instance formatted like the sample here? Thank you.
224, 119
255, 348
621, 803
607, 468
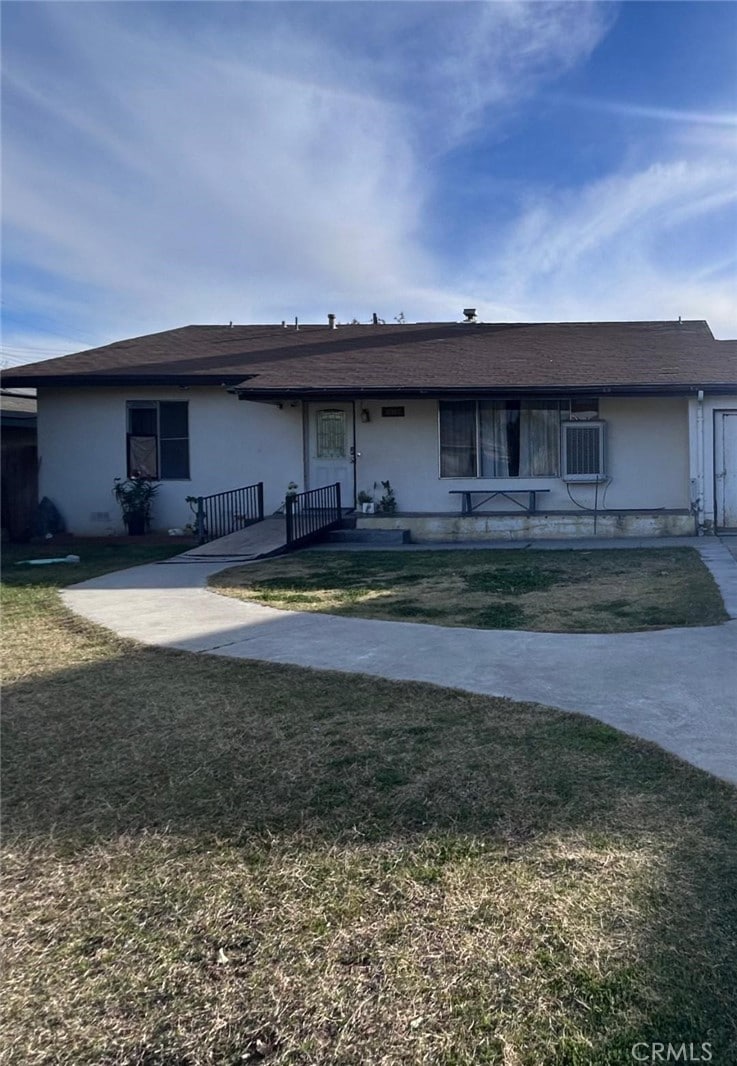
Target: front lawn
97, 556
222, 862
600, 591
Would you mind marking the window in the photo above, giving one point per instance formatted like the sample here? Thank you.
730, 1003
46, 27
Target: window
500, 438
158, 439
458, 438
331, 435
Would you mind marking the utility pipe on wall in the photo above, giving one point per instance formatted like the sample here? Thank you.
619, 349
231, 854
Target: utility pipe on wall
700, 478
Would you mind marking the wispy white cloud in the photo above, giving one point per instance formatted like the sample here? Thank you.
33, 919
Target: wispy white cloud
167, 164
614, 249
259, 169
565, 228
681, 116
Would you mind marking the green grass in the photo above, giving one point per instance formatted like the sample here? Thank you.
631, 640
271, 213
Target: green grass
94, 559
220, 862
600, 591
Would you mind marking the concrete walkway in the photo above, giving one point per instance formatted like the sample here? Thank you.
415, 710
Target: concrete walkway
677, 687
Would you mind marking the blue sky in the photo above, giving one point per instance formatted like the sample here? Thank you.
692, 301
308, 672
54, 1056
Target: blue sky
168, 163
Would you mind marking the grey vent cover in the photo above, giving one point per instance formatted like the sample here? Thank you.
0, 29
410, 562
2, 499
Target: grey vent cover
583, 451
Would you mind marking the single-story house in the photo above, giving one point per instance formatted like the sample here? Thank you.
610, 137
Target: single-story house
482, 429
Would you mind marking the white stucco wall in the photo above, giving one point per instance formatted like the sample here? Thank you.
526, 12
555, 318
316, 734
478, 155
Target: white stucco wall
647, 452
82, 448
647, 458
82, 434
704, 479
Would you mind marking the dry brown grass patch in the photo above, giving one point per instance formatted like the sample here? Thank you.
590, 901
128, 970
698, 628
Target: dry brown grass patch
428, 951
598, 591
211, 863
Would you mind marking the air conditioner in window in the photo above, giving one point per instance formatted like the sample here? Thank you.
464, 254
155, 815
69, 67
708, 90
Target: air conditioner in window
583, 451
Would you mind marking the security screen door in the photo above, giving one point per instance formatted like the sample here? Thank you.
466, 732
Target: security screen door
331, 448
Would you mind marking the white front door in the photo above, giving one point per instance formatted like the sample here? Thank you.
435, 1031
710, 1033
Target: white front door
725, 468
331, 444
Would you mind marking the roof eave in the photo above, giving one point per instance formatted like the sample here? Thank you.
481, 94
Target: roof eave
123, 380
347, 392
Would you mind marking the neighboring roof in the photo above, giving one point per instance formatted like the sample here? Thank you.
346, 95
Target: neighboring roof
18, 407
423, 358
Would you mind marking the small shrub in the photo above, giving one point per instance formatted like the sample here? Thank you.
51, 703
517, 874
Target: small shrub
135, 496
388, 502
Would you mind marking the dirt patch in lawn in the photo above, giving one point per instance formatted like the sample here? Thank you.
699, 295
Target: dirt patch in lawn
600, 591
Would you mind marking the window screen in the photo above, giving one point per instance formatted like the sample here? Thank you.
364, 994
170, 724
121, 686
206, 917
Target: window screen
458, 438
174, 439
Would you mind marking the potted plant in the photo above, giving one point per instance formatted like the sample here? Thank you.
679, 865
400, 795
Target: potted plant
365, 501
292, 488
135, 495
387, 503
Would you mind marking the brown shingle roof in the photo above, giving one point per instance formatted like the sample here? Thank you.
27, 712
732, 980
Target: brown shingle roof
429, 357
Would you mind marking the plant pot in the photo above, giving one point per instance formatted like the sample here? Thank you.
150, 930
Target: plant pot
367, 508
136, 524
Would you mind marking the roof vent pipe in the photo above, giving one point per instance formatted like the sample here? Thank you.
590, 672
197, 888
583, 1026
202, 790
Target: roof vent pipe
331, 321
470, 313
375, 318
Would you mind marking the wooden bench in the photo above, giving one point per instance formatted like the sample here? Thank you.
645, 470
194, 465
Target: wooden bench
468, 506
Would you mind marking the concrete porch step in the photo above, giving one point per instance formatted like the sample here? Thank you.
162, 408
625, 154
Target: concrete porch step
369, 536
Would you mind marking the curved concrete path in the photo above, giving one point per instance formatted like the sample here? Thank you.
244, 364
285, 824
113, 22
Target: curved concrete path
677, 687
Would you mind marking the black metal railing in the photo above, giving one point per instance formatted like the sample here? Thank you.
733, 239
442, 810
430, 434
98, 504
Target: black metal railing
227, 512
309, 514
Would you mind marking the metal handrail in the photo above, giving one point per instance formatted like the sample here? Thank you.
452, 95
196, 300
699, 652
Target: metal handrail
311, 513
227, 512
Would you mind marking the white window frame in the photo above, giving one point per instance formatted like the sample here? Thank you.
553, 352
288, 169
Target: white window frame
155, 405
579, 424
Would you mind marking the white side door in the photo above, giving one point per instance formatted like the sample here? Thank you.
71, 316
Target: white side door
725, 468
331, 443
